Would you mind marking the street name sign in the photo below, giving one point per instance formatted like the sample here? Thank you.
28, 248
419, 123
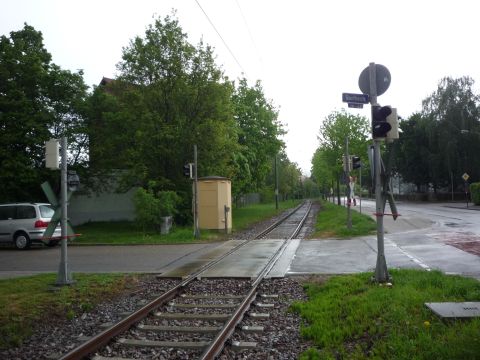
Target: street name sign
355, 98
355, 105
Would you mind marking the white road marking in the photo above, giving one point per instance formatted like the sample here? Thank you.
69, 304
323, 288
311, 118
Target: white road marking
411, 257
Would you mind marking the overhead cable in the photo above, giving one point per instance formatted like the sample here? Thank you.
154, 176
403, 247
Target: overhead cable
220, 36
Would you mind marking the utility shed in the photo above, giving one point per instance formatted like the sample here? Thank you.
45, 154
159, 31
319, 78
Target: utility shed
214, 194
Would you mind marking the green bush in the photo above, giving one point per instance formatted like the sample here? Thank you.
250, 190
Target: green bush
475, 192
169, 201
149, 209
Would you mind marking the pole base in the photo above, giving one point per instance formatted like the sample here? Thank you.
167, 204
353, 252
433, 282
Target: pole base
64, 276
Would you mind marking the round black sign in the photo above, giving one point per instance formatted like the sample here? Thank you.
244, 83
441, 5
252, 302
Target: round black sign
383, 79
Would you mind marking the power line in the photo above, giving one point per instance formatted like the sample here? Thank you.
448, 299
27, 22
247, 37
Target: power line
220, 36
249, 32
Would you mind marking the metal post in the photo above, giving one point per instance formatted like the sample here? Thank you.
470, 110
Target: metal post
64, 277
338, 191
381, 272
349, 200
360, 196
451, 180
276, 182
196, 231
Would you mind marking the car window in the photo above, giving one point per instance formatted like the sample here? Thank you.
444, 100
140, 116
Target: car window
7, 212
26, 212
46, 211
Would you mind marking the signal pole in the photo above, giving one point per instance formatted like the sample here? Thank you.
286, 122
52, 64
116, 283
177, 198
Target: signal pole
196, 231
64, 277
347, 175
381, 272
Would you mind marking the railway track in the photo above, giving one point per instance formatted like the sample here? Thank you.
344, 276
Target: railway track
196, 318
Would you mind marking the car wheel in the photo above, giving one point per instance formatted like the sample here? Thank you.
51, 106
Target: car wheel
22, 241
52, 243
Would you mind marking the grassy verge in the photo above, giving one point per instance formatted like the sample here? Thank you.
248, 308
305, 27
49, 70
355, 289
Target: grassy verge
351, 318
27, 300
246, 216
123, 233
332, 222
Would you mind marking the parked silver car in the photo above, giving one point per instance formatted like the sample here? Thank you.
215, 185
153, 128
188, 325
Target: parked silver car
24, 223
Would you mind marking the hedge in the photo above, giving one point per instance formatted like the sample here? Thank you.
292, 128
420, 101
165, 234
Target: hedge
475, 192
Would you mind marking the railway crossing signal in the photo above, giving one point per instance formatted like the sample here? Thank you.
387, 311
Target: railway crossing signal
356, 163
380, 126
188, 170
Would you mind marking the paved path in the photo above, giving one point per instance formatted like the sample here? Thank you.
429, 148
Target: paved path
426, 237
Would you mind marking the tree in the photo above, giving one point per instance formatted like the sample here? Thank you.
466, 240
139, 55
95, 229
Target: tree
170, 95
38, 100
336, 127
414, 152
454, 134
258, 130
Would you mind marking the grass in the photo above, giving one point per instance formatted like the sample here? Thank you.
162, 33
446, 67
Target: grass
29, 300
349, 317
246, 216
128, 233
123, 233
332, 222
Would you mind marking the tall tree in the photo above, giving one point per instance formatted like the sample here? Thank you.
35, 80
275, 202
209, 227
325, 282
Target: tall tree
169, 96
413, 157
259, 132
38, 100
454, 134
335, 129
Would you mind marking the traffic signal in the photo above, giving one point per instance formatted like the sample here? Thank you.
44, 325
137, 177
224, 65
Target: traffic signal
380, 126
356, 162
188, 170
392, 119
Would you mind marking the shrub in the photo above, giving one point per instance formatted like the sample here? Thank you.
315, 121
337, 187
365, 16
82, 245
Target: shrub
475, 192
169, 201
149, 209
147, 213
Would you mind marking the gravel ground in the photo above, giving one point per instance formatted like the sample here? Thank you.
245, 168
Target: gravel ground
280, 339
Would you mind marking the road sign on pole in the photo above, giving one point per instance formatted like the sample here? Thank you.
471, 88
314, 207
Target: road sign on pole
465, 176
355, 98
356, 106
382, 80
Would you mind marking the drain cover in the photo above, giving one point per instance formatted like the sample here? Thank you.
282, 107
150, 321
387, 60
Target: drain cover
455, 309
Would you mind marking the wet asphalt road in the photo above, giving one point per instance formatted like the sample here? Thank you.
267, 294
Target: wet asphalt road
426, 236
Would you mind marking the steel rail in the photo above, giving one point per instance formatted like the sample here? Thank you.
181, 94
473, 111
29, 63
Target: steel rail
278, 222
104, 337
218, 343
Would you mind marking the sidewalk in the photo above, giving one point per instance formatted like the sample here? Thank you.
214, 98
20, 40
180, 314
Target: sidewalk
462, 205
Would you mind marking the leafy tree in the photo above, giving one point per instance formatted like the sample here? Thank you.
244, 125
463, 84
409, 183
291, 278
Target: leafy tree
169, 96
258, 136
38, 100
336, 127
454, 133
414, 152
322, 173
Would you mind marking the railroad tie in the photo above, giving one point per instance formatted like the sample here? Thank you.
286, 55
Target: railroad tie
186, 329
259, 315
252, 329
264, 305
243, 345
202, 306
98, 357
168, 344
181, 316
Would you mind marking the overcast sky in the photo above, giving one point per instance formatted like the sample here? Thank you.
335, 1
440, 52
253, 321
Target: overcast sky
306, 53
